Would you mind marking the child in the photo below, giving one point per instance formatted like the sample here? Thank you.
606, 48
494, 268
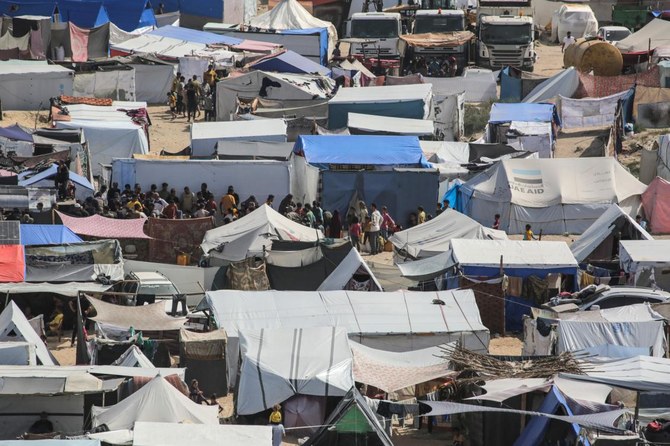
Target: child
528, 235
366, 232
355, 233
172, 103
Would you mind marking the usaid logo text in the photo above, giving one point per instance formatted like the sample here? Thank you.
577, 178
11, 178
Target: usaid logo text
527, 181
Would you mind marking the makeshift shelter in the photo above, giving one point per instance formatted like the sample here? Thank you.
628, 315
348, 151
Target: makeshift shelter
554, 196
564, 83
351, 422
206, 135
359, 124
103, 227
289, 62
253, 235
532, 268
133, 357
151, 317
172, 434
641, 373
157, 401
395, 101
536, 137
56, 263
204, 357
647, 261
17, 353
654, 34
36, 82
12, 263
254, 150
45, 179
153, 77
15, 327
89, 14
589, 112
47, 235
344, 275
434, 236
130, 15
504, 115
656, 208
317, 364
600, 241
515, 84
479, 85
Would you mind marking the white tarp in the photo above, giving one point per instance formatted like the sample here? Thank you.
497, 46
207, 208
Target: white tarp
387, 94
133, 357
280, 363
565, 83
108, 140
253, 234
15, 327
157, 401
153, 82
151, 317
448, 157
499, 390
29, 87
188, 279
113, 84
433, 237
533, 137
601, 229
157, 45
179, 434
375, 125
205, 135
555, 196
515, 254
340, 277
17, 353
654, 34
479, 85
47, 380
636, 254
642, 373
630, 326
589, 112
449, 111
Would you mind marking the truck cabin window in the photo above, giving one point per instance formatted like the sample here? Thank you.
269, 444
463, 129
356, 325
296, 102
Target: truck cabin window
377, 29
441, 24
507, 35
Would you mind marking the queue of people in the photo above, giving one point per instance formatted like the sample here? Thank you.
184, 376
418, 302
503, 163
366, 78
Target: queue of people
189, 97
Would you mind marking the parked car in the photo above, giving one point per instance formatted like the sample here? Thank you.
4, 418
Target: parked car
149, 287
604, 297
613, 34
578, 19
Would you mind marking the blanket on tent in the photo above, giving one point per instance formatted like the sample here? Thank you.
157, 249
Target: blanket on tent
589, 112
438, 40
170, 237
601, 86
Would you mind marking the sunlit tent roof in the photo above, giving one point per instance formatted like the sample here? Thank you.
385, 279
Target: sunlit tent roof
84, 14
68, 289
193, 35
289, 62
654, 34
641, 373
146, 317
179, 434
638, 254
372, 124
133, 357
14, 323
47, 235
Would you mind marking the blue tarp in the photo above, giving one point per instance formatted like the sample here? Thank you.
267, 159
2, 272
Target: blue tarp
510, 86
51, 171
452, 195
14, 9
501, 113
15, 132
323, 34
47, 235
130, 14
84, 14
192, 35
321, 150
290, 62
203, 8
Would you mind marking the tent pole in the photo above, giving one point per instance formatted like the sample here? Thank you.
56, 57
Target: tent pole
637, 410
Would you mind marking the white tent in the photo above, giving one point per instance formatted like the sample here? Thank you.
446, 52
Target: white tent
157, 401
253, 234
108, 140
206, 135
433, 237
479, 85
133, 357
641, 373
381, 125
15, 327
290, 14
17, 353
634, 326
280, 363
654, 34
596, 241
29, 86
647, 260
555, 195
173, 434
350, 265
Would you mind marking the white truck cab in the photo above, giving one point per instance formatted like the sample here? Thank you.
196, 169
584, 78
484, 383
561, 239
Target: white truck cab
506, 40
382, 27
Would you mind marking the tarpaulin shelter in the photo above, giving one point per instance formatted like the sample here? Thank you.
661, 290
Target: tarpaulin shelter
44, 179
253, 234
641, 373
206, 135
535, 137
434, 236
279, 363
506, 112
17, 353
67, 289
177, 434
170, 236
384, 125
565, 83
153, 77
81, 262
646, 261
399, 101
150, 317
656, 207
289, 62
554, 195
654, 34
204, 357
193, 35
47, 235
133, 357
589, 112
157, 401
36, 82
12, 263
103, 227
16, 132
348, 268
515, 84
15, 327
38, 10
479, 85
254, 150
130, 15
84, 14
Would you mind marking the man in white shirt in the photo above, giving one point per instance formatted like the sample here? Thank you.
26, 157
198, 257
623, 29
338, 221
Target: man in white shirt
375, 226
567, 41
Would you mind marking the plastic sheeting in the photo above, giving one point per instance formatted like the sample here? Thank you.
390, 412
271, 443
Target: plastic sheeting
17, 353
289, 62
192, 35
318, 362
516, 254
12, 263
150, 317
206, 135
634, 255
656, 207
87, 15
383, 125
47, 235
103, 227
589, 112
130, 15
642, 373
654, 34
478, 85
565, 83
114, 84
133, 357
343, 273
12, 321
29, 87
152, 82
178, 434
504, 112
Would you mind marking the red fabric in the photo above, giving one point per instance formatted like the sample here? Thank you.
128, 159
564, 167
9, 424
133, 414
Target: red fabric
103, 102
79, 43
175, 380
102, 227
172, 236
656, 206
601, 86
12, 263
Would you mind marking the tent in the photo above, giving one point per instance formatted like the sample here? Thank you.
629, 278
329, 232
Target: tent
288, 61
654, 34
15, 327
341, 277
157, 401
254, 150
172, 434
647, 261
535, 137
151, 317
433, 237
47, 235
130, 15
44, 179
279, 363
555, 196
351, 422
396, 101
479, 85
641, 373
153, 77
589, 112
103, 227
656, 208
598, 241
12, 263
291, 15
564, 83
204, 357
206, 135
51, 442
253, 234
67, 289
193, 35
508, 112
16, 133
635, 326
36, 82
379, 125
84, 14
17, 353
133, 357
108, 140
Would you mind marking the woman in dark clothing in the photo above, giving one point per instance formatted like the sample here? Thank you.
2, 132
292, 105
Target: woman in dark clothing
285, 203
335, 228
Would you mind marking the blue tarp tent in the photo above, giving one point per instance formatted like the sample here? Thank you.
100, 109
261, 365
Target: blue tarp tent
130, 15
323, 35
290, 62
501, 113
192, 35
35, 9
47, 235
510, 86
16, 133
206, 8
84, 188
322, 150
84, 14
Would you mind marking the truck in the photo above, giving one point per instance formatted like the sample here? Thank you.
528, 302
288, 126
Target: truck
504, 40
381, 27
440, 21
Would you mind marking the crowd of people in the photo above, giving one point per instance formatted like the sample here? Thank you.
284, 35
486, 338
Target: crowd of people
188, 97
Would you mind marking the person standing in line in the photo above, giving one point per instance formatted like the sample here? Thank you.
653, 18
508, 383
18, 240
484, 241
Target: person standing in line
376, 221
388, 224
355, 233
